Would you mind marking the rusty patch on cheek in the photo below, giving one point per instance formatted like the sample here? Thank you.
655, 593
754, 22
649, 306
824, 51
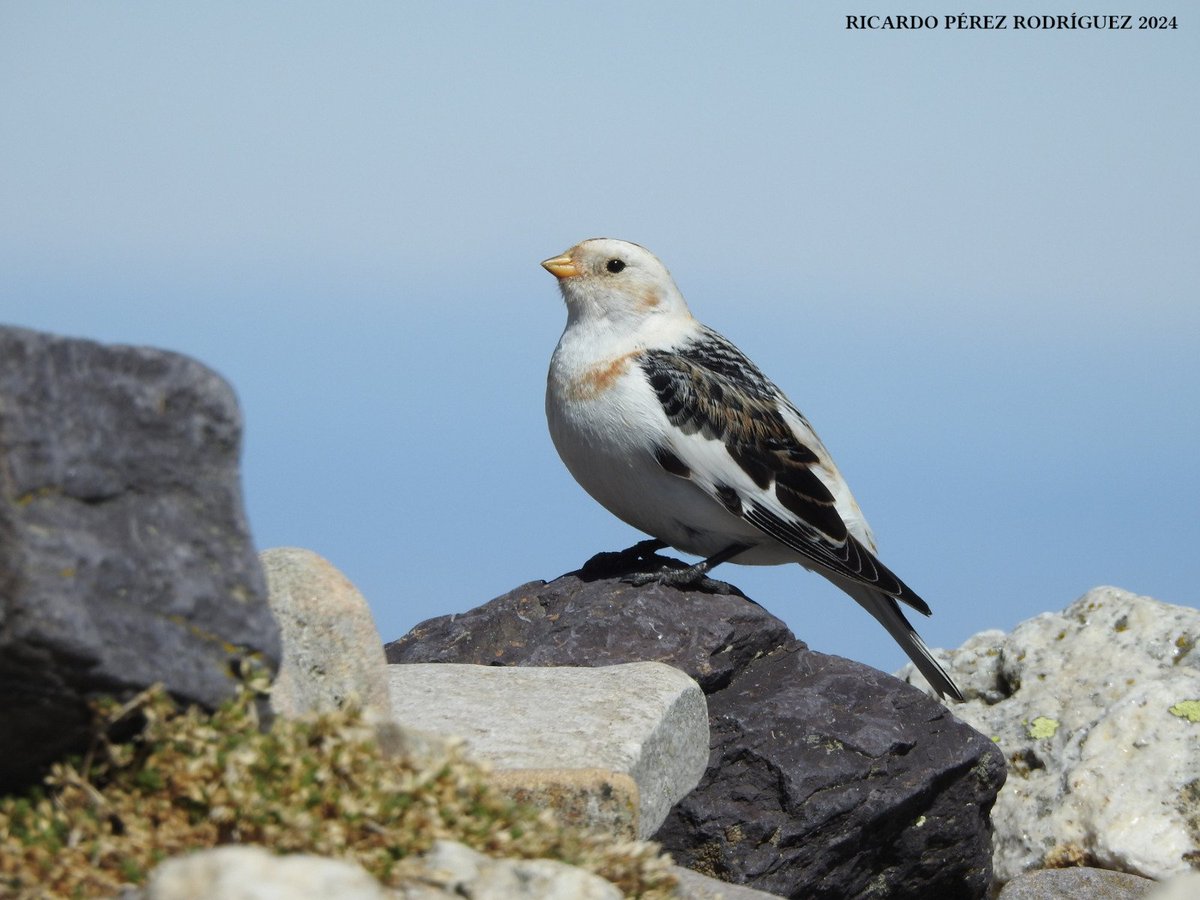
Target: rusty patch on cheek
649, 298
599, 379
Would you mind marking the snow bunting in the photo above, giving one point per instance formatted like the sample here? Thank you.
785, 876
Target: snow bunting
672, 429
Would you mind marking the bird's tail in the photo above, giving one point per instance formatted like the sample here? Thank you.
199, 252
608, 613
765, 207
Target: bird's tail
885, 609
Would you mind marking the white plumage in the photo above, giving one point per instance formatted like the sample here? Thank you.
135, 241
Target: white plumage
672, 429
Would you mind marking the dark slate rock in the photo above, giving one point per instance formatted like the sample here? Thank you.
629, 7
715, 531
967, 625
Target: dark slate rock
826, 778
829, 779
583, 619
125, 557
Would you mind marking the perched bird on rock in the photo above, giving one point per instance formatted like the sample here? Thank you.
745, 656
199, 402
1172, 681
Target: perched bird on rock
673, 430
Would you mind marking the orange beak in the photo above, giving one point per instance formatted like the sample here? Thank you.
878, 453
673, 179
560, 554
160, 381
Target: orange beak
561, 266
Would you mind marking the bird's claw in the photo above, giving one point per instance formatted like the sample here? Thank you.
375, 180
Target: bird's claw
641, 579
692, 577
680, 576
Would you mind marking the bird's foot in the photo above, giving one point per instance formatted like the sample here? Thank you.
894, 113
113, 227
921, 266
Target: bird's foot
691, 577
629, 566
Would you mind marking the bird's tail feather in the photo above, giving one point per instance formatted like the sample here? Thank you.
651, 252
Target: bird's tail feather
885, 609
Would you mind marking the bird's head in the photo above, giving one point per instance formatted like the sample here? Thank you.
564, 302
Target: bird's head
607, 279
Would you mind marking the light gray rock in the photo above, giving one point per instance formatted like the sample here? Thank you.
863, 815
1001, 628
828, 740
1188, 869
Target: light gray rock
448, 871
694, 886
646, 720
332, 652
463, 872
254, 873
1181, 887
1076, 884
1097, 710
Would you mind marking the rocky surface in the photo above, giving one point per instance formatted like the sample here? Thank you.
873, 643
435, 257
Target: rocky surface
1181, 887
1076, 883
597, 621
255, 873
449, 870
462, 872
694, 886
1097, 710
332, 653
825, 779
125, 557
1098, 884
569, 733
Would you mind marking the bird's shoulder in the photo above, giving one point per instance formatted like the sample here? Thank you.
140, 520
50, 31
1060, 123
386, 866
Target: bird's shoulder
706, 384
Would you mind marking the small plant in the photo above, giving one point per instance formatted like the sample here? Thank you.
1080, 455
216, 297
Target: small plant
189, 779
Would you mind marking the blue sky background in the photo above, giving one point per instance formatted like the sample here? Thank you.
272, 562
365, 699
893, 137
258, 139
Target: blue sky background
971, 258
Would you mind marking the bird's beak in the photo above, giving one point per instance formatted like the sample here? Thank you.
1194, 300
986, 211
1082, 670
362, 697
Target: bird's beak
561, 266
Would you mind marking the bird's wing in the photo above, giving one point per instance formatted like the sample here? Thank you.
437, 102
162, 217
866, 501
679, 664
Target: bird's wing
774, 472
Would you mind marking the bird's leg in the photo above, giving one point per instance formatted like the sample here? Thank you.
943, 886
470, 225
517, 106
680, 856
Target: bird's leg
695, 575
643, 549
615, 561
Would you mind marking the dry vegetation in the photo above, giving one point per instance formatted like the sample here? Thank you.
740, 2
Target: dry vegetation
190, 779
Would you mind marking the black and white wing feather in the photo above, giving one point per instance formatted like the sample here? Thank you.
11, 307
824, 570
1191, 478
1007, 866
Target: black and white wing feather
791, 491
741, 440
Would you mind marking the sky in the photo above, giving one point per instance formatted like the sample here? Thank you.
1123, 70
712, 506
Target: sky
972, 258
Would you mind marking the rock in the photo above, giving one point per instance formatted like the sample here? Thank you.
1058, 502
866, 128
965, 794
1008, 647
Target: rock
332, 653
826, 778
254, 873
573, 621
449, 870
462, 872
125, 557
645, 720
829, 779
1097, 710
1181, 887
593, 798
694, 886
1075, 883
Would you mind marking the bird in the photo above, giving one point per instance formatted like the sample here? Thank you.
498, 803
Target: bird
673, 429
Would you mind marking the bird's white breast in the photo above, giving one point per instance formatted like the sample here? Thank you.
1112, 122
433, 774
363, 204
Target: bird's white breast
606, 424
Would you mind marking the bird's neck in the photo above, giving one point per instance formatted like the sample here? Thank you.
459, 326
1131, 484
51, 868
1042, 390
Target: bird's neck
613, 333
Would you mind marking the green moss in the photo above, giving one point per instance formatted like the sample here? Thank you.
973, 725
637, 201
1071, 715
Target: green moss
1042, 728
1187, 709
190, 779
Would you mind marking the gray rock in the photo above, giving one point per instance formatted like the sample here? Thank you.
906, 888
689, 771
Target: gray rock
644, 719
254, 873
1097, 710
598, 799
125, 558
1075, 884
332, 653
1181, 887
449, 870
694, 886
826, 778
463, 872
598, 621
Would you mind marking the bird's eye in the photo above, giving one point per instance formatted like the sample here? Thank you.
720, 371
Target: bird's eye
615, 265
